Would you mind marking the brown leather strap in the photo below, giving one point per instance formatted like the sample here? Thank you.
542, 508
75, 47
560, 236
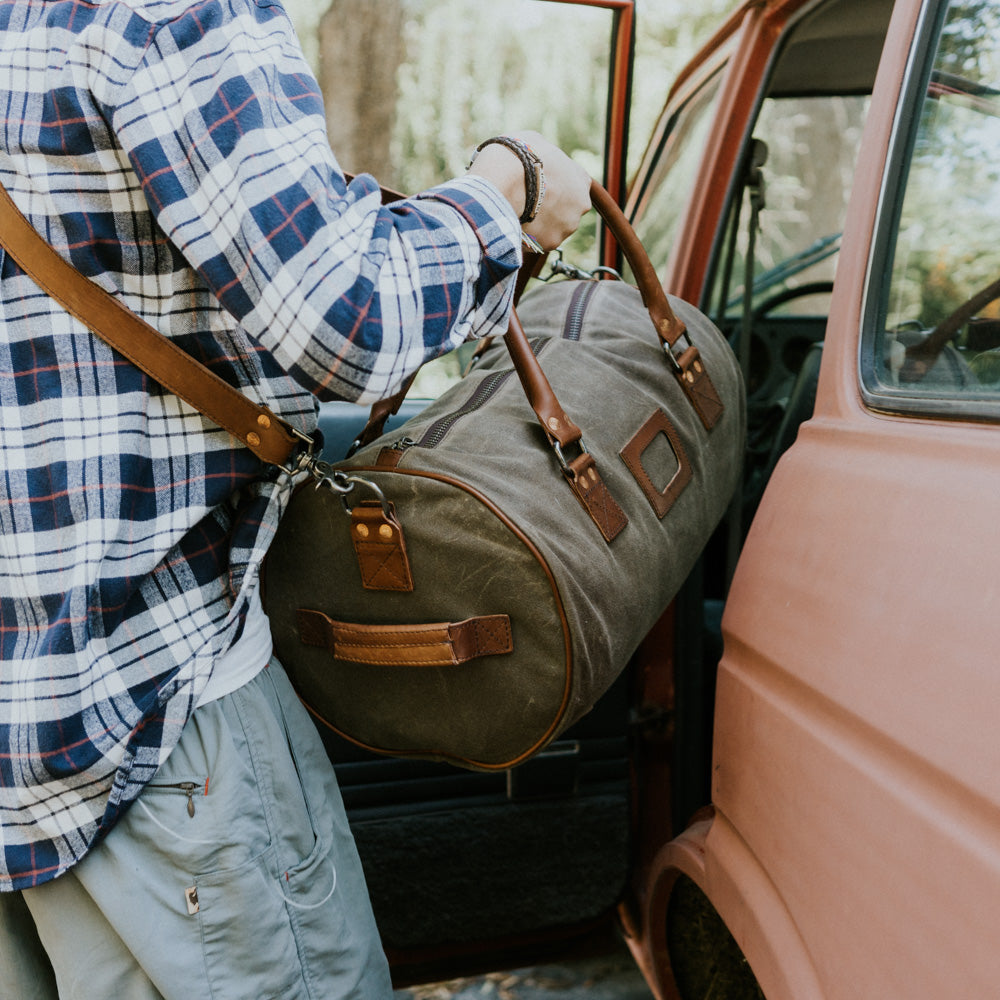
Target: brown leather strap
688, 367
668, 326
551, 415
586, 482
264, 433
380, 413
440, 644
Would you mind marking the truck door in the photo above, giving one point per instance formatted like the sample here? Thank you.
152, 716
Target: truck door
853, 844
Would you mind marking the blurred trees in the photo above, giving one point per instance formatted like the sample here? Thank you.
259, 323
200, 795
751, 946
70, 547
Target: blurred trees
420, 82
360, 49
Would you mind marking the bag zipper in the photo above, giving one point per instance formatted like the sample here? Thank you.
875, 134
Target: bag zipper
489, 385
188, 787
578, 303
435, 434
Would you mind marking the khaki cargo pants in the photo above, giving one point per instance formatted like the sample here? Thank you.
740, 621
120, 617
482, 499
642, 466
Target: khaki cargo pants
248, 887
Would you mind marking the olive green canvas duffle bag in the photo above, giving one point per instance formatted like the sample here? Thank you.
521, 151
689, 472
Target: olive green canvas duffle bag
466, 586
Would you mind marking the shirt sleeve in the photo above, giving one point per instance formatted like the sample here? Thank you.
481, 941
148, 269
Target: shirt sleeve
224, 125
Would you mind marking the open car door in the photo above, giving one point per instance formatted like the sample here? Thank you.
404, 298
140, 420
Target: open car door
476, 871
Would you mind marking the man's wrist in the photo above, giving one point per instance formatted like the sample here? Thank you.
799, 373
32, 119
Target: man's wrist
532, 167
502, 167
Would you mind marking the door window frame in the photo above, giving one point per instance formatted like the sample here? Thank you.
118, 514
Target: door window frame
878, 395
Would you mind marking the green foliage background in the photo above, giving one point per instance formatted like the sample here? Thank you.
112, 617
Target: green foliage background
474, 68
558, 61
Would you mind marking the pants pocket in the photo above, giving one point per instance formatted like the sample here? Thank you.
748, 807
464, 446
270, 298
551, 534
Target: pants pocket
240, 964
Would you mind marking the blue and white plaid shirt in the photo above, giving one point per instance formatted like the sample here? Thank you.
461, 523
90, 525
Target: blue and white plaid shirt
175, 151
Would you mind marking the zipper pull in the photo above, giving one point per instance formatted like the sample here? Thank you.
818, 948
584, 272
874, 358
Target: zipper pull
389, 456
189, 787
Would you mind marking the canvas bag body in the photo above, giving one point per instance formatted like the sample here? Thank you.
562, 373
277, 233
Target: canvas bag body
493, 534
510, 582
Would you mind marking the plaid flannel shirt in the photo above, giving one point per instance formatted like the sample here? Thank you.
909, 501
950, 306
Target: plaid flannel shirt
176, 153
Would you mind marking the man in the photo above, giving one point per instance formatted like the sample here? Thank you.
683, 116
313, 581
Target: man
175, 153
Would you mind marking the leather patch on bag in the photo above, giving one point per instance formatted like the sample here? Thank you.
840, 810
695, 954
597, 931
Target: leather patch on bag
380, 547
699, 389
593, 493
646, 464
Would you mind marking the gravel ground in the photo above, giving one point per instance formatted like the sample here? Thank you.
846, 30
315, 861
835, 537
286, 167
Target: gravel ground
612, 977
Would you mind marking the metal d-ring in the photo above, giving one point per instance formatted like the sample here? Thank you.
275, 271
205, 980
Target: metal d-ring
563, 464
324, 474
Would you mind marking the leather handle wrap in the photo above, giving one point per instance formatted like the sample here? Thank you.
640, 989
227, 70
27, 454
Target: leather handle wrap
668, 326
439, 644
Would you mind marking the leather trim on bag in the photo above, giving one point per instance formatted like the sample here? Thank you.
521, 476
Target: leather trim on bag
380, 547
591, 490
699, 388
660, 500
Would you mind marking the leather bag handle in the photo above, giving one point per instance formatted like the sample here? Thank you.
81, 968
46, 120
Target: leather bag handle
686, 366
437, 644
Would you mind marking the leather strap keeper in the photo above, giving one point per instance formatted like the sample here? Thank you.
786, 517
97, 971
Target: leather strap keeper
380, 547
440, 644
593, 493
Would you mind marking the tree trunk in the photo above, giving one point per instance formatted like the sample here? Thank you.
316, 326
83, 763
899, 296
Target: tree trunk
361, 46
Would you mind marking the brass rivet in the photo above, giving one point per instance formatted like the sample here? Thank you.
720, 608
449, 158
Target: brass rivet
253, 439
385, 531
697, 366
593, 475
264, 420
689, 376
363, 530
553, 423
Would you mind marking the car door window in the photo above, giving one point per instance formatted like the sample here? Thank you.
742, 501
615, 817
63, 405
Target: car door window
932, 341
666, 189
811, 148
782, 242
411, 86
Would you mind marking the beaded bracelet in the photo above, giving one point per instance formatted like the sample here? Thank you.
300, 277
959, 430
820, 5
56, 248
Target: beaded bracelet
530, 244
534, 175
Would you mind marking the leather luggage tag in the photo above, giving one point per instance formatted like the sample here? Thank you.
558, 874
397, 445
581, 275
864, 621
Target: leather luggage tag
380, 547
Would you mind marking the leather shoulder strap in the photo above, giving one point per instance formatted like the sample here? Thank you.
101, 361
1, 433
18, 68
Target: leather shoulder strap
269, 437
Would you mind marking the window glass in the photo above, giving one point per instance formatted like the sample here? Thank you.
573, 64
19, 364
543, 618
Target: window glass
412, 86
811, 150
667, 188
935, 334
